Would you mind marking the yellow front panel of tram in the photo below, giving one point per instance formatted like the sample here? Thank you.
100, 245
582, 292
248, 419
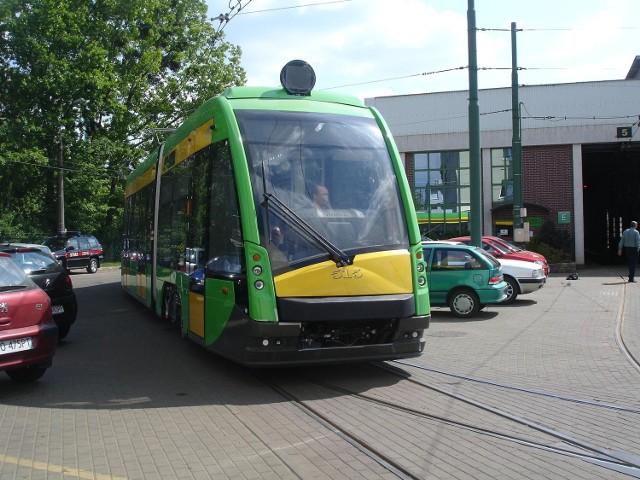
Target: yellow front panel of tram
380, 273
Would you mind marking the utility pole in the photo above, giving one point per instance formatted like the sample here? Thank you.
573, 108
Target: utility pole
61, 227
519, 234
475, 215
62, 230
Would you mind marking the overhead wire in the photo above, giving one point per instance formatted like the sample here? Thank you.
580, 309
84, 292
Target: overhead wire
466, 67
92, 171
293, 6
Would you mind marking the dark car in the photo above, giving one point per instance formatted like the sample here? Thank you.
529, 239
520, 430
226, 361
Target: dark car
76, 251
50, 276
28, 334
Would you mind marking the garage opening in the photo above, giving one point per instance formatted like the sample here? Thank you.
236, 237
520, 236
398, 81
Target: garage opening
611, 189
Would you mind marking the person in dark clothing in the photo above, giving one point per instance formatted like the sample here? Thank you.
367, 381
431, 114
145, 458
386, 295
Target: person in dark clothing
630, 243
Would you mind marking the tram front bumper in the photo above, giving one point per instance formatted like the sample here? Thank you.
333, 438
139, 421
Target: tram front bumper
280, 344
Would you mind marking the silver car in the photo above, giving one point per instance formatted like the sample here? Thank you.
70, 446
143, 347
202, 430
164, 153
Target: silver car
521, 277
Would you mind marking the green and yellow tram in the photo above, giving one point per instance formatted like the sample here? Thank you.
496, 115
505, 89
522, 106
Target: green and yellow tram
276, 227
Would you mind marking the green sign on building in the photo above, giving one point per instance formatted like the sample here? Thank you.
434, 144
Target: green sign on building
564, 217
535, 221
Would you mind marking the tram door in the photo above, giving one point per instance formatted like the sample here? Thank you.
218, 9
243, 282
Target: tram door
196, 308
214, 227
211, 301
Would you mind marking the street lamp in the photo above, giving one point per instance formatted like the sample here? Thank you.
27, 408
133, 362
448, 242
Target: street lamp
61, 227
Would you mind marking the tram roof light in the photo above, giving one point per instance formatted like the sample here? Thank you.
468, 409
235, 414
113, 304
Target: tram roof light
297, 77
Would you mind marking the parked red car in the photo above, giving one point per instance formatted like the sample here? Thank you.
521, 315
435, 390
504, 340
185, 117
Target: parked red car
50, 276
28, 334
500, 248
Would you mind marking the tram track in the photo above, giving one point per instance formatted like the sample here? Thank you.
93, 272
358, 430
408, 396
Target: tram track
615, 457
618, 461
329, 397
619, 337
507, 386
350, 437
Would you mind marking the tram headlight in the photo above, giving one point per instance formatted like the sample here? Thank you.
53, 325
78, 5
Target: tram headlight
298, 78
422, 281
259, 284
257, 270
420, 267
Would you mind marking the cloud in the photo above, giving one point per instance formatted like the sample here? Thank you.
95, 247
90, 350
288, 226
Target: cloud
366, 41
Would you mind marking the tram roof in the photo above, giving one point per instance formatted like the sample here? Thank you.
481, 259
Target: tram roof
281, 93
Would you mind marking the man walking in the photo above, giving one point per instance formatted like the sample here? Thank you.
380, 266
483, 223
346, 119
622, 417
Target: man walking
630, 242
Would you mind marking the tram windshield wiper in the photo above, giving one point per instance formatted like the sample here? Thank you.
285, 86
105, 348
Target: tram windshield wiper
302, 228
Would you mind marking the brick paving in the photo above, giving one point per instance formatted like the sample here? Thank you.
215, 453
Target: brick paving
127, 398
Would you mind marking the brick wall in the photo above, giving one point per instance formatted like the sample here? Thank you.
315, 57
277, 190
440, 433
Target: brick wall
547, 176
408, 168
547, 180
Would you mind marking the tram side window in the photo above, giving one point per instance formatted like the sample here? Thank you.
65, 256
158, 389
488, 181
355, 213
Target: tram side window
173, 215
198, 235
137, 228
225, 248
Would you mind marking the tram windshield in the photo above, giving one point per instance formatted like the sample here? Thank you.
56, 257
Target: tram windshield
323, 185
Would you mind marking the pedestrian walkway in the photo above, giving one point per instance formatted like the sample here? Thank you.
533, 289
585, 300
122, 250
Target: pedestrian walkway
127, 398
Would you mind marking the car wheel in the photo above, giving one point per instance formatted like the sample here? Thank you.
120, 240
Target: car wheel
464, 303
93, 266
512, 290
63, 331
26, 374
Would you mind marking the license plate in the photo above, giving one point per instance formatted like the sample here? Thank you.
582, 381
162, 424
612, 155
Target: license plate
15, 345
56, 309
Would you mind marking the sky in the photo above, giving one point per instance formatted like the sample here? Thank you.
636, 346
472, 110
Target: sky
372, 48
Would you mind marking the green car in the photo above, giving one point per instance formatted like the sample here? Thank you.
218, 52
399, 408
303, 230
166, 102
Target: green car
462, 277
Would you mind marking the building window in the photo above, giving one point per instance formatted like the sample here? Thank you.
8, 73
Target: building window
501, 175
442, 191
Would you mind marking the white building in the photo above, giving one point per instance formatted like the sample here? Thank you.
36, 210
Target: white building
580, 158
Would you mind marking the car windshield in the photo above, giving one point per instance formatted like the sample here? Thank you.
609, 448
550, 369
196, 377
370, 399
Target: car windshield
506, 245
323, 184
496, 246
12, 277
34, 261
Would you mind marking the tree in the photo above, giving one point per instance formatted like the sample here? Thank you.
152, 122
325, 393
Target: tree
95, 76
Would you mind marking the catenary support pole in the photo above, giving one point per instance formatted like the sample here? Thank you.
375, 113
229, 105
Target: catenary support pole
475, 215
516, 141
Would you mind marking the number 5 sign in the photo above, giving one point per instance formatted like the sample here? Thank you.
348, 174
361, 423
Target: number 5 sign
624, 132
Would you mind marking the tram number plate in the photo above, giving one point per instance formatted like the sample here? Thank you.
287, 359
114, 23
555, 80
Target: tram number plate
16, 345
56, 309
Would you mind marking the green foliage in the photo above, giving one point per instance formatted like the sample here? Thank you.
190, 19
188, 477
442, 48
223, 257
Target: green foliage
96, 77
555, 244
23, 185
555, 237
552, 254
547, 244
